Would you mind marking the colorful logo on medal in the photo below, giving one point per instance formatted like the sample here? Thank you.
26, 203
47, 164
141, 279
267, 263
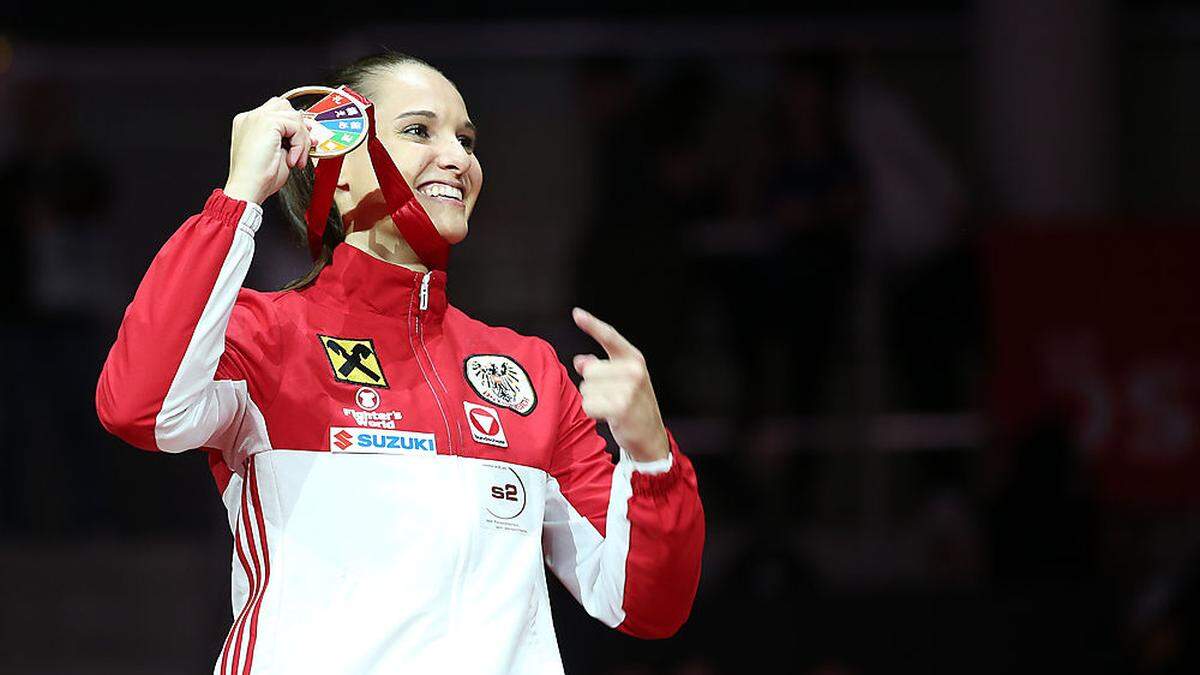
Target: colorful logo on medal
485, 425
337, 122
354, 361
501, 381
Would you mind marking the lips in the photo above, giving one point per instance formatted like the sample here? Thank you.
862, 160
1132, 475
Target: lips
440, 190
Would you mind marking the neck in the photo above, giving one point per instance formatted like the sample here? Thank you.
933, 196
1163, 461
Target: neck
383, 242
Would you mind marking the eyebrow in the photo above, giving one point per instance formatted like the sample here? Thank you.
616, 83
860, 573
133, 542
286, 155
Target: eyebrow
431, 115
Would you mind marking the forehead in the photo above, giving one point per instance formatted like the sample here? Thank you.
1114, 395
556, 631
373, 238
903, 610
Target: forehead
415, 87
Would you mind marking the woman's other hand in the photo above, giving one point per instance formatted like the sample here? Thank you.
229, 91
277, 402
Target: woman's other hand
266, 143
618, 391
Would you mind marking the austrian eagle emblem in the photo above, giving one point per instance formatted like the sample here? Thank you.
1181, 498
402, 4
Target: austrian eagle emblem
501, 381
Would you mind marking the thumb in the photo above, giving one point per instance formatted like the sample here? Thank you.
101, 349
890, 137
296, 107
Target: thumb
581, 361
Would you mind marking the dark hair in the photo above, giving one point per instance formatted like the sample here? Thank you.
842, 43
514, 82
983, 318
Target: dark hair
296, 193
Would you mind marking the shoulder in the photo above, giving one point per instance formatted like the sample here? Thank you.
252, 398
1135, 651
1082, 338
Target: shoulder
534, 354
257, 312
251, 302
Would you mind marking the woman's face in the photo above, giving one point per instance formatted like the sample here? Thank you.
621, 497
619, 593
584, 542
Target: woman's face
422, 122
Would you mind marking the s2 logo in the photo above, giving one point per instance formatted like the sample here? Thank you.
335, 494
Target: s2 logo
508, 492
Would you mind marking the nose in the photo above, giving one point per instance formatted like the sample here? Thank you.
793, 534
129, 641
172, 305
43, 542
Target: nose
452, 156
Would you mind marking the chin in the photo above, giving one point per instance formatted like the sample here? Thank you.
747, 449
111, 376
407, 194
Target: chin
453, 232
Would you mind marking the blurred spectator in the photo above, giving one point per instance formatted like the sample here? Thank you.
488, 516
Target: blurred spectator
947, 524
814, 194
914, 236
775, 238
1166, 637
58, 193
653, 176
57, 292
915, 201
1055, 608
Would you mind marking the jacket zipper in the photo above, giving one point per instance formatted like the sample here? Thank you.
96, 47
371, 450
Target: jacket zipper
424, 305
429, 357
464, 546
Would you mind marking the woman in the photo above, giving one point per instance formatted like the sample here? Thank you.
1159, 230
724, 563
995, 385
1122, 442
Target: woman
396, 473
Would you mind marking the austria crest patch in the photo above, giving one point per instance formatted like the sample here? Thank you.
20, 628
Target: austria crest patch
501, 381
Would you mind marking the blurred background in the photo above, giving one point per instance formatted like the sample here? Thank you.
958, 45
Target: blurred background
917, 287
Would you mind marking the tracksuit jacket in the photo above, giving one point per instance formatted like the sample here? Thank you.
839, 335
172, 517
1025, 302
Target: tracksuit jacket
398, 475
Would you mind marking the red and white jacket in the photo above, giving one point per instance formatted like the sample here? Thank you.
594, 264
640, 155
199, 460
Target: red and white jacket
395, 472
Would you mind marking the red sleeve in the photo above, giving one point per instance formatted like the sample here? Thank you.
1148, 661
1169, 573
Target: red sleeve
157, 389
627, 544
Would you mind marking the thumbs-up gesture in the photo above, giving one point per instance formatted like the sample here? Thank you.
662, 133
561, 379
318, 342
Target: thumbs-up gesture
618, 391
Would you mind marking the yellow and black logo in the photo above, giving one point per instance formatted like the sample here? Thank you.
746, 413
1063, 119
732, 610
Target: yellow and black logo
354, 361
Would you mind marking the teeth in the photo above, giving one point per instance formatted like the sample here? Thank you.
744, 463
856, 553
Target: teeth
442, 190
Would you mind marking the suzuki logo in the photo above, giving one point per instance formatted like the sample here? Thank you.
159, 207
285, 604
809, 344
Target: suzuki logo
343, 440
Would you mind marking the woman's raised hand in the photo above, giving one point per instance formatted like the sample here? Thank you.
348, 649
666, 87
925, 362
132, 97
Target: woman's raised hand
267, 142
617, 390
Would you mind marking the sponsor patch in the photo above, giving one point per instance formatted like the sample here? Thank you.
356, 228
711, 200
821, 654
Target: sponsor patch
501, 381
504, 499
381, 441
366, 398
354, 360
379, 419
485, 425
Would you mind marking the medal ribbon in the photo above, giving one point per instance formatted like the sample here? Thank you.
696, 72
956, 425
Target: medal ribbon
408, 215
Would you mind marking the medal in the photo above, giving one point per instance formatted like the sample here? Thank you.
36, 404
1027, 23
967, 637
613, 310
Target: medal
338, 122
341, 121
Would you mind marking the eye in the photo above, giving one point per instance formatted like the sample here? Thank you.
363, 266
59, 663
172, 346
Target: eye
419, 130
468, 143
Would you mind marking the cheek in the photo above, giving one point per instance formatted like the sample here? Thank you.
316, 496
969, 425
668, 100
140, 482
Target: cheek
356, 173
409, 158
475, 177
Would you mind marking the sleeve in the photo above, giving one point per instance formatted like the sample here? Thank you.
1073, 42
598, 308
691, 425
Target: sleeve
157, 389
625, 540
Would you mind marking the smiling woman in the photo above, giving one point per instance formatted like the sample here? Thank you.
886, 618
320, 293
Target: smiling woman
397, 475
425, 127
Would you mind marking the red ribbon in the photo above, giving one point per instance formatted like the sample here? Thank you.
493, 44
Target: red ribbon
408, 215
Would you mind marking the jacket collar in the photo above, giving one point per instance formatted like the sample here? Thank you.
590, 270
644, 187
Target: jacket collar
360, 282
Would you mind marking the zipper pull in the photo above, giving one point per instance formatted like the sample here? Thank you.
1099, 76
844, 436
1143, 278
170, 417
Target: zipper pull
425, 291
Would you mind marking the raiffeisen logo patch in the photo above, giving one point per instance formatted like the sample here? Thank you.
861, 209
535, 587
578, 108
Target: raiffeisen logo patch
381, 441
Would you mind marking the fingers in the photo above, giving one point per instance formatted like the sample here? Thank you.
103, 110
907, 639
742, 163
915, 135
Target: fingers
597, 408
293, 129
276, 103
603, 371
581, 362
266, 143
604, 400
613, 342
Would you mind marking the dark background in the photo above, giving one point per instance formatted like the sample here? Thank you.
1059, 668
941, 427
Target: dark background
916, 287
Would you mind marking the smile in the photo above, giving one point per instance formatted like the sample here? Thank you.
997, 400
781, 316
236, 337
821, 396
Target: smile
442, 192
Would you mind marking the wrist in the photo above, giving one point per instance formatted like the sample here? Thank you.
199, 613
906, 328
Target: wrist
652, 468
654, 452
235, 190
